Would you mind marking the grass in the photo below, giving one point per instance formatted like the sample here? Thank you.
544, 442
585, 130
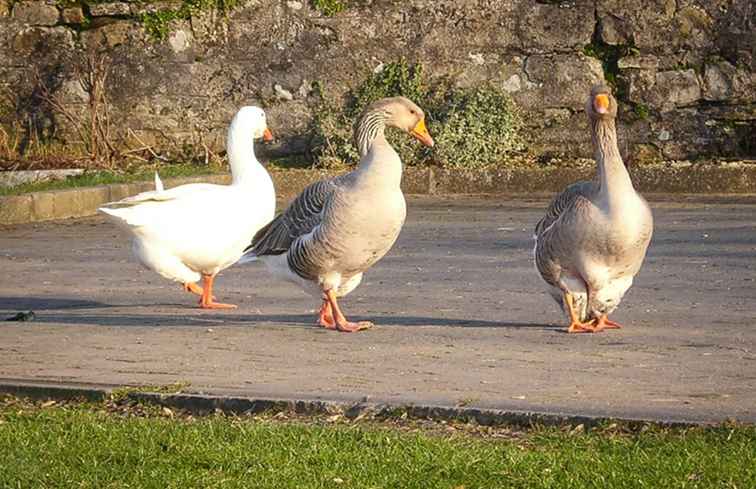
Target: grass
143, 174
94, 446
329, 8
94, 178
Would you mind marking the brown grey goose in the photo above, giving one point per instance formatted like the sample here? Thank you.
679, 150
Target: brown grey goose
594, 237
338, 228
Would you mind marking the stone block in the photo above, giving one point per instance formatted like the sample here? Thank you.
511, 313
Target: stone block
676, 89
659, 26
35, 13
663, 90
43, 206
642, 62
417, 180
110, 35
92, 198
559, 80
114, 9
42, 41
73, 15
67, 203
545, 27
724, 82
118, 191
15, 209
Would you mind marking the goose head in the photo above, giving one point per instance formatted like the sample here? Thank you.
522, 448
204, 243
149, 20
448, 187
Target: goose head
250, 121
404, 114
601, 104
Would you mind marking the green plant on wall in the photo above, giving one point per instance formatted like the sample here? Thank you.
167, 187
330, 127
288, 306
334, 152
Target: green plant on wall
472, 127
475, 127
329, 8
609, 55
157, 24
641, 111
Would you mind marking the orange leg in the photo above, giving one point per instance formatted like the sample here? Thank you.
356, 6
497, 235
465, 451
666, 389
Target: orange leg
325, 318
207, 300
575, 325
193, 288
605, 323
341, 322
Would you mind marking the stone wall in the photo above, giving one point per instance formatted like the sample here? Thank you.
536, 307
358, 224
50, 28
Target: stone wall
684, 68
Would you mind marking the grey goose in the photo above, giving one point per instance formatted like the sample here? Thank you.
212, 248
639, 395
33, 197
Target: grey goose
338, 228
593, 239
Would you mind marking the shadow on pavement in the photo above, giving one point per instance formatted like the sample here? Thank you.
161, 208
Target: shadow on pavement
195, 317
47, 303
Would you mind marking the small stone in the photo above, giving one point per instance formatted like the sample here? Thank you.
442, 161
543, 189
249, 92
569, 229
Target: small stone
678, 87
4, 9
109, 9
477, 58
512, 84
179, 41
379, 68
35, 13
304, 88
664, 135
282, 93
614, 30
73, 15
294, 5
717, 80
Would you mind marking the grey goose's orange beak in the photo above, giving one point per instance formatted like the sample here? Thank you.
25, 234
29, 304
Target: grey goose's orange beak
420, 132
601, 103
267, 135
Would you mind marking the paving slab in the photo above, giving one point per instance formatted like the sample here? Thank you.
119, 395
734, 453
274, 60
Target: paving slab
462, 319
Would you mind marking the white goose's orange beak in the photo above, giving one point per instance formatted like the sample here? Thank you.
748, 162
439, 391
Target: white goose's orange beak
420, 132
267, 135
601, 103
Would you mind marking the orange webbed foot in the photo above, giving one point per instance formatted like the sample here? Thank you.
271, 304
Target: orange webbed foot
216, 305
342, 324
578, 327
605, 323
350, 327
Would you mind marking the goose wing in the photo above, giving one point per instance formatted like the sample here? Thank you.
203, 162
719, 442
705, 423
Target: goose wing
562, 203
301, 217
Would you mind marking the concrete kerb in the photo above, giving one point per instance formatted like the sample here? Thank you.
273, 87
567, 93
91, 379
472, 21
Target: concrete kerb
202, 404
667, 178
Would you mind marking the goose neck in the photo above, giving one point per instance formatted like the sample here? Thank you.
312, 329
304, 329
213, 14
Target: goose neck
241, 155
612, 173
369, 128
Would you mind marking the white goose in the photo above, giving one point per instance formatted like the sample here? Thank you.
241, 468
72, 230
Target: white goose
336, 229
194, 231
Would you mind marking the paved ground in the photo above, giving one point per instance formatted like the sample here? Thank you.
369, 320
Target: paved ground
462, 319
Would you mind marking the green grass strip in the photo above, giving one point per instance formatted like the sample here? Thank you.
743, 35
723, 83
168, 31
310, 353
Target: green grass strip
94, 178
87, 447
